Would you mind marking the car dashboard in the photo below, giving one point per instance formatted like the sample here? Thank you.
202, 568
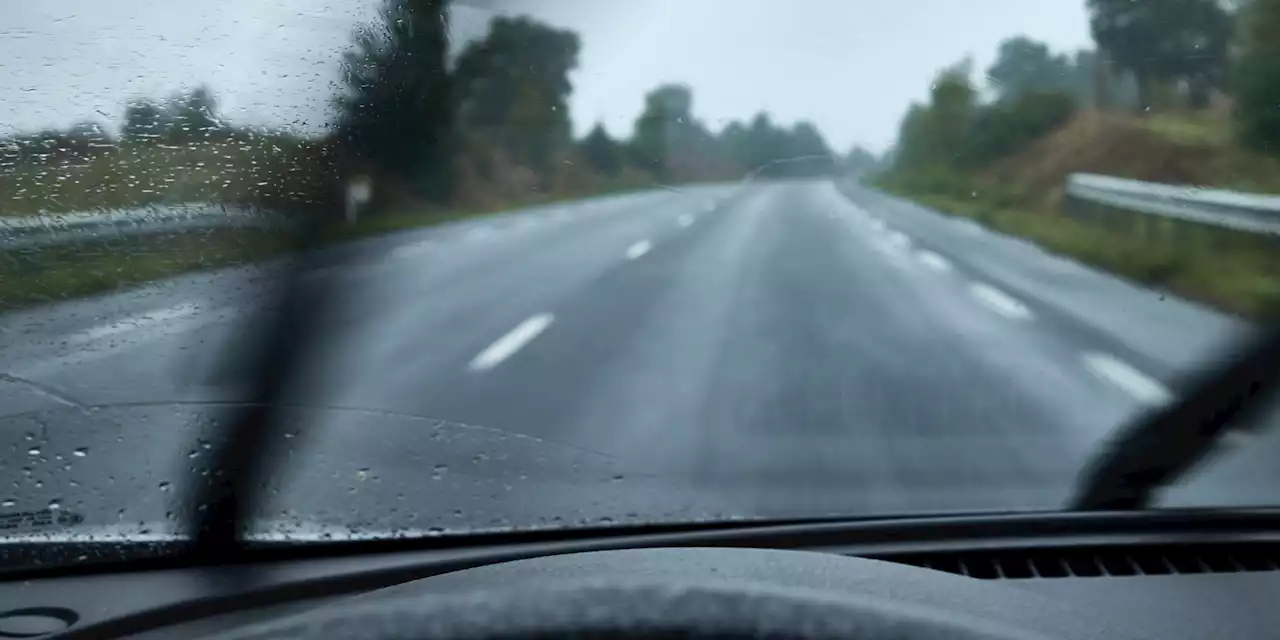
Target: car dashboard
1166, 576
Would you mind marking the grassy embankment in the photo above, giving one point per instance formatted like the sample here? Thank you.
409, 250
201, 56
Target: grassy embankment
272, 172
1023, 195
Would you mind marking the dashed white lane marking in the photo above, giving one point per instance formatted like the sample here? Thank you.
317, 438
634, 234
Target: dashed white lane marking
1000, 302
684, 220
133, 323
638, 249
1127, 378
410, 250
508, 345
934, 261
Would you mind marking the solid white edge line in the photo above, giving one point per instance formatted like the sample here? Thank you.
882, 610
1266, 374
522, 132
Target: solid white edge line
638, 249
1126, 378
509, 344
934, 261
134, 323
999, 301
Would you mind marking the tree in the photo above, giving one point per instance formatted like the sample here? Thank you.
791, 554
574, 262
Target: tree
952, 110
1024, 65
802, 152
859, 161
1166, 41
1257, 77
939, 141
513, 87
765, 149
1006, 127
668, 110
601, 152
143, 119
192, 114
396, 106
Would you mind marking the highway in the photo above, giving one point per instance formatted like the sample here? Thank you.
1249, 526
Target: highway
779, 349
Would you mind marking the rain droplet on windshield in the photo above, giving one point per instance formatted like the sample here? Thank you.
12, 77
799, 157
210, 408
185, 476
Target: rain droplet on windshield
80, 452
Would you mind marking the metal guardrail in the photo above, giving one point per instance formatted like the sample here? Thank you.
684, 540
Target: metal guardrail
1244, 212
28, 232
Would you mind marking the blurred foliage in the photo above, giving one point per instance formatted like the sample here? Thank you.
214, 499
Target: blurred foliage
602, 152
1005, 161
1257, 77
1024, 65
1006, 127
397, 101
182, 117
513, 88
70, 171
1170, 41
954, 132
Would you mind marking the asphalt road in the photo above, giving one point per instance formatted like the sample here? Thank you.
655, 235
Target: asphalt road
763, 350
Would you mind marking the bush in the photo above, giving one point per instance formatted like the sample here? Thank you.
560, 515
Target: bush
1009, 126
1257, 78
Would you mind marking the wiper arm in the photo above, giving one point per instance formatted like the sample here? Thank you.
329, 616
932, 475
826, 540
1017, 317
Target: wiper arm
1158, 450
289, 337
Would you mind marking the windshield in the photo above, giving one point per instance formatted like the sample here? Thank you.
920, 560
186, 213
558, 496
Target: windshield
490, 265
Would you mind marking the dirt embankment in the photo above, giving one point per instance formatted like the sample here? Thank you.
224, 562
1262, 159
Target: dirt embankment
1191, 149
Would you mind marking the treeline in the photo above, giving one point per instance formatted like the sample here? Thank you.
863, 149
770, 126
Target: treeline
498, 121
490, 128
175, 150
1151, 57
957, 132
1030, 90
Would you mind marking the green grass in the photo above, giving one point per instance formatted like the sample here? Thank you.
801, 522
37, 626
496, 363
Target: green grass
1190, 129
36, 276
267, 169
1236, 273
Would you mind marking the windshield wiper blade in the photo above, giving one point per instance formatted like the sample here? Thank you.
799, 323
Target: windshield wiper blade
1156, 451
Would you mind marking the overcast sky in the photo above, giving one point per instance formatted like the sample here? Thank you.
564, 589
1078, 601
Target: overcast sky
850, 66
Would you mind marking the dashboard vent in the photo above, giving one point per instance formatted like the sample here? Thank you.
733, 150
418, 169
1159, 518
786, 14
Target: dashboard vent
17, 520
1100, 562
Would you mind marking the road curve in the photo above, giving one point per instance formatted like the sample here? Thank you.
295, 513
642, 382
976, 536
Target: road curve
776, 349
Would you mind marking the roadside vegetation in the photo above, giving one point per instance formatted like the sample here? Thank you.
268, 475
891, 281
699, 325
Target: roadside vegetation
1182, 92
489, 131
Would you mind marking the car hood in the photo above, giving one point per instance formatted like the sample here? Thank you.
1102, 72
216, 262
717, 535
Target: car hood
337, 473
